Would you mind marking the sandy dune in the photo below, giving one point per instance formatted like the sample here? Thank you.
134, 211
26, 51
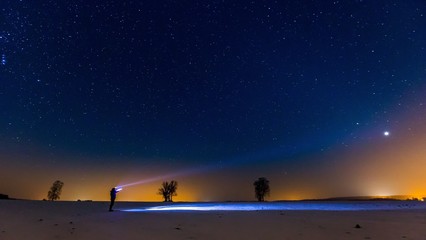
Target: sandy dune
90, 220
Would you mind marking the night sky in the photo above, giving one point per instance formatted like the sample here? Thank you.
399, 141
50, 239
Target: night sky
324, 98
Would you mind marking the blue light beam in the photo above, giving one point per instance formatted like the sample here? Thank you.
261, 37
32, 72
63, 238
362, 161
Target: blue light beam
272, 153
279, 206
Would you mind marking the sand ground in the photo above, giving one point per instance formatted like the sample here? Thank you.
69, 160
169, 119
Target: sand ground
39, 220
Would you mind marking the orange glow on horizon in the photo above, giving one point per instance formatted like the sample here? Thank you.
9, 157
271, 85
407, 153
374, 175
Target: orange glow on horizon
389, 166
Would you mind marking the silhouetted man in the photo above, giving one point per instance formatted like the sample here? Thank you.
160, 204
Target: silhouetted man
113, 195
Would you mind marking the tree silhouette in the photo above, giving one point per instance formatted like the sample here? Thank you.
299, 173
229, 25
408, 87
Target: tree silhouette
168, 190
261, 188
55, 191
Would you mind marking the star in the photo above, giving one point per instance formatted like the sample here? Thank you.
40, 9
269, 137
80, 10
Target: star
386, 133
3, 59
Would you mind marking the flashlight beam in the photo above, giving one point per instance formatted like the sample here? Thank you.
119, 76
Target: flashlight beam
277, 152
168, 176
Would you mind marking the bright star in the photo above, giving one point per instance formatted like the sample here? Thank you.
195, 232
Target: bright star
386, 133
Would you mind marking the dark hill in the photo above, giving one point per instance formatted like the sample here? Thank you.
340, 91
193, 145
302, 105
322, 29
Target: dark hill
4, 196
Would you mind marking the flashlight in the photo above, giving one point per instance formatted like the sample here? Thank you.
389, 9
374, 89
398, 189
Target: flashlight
117, 189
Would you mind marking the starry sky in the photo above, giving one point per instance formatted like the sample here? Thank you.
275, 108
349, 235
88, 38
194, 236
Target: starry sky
213, 94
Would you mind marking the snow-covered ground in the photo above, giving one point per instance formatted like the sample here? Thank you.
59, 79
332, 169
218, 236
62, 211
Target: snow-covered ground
282, 220
276, 206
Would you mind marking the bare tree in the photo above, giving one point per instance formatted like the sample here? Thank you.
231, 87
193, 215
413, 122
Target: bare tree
55, 191
163, 191
168, 190
261, 188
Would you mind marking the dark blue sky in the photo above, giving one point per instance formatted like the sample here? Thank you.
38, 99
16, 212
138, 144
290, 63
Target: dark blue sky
206, 81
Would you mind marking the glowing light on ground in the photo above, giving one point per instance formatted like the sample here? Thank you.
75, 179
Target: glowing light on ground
273, 206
